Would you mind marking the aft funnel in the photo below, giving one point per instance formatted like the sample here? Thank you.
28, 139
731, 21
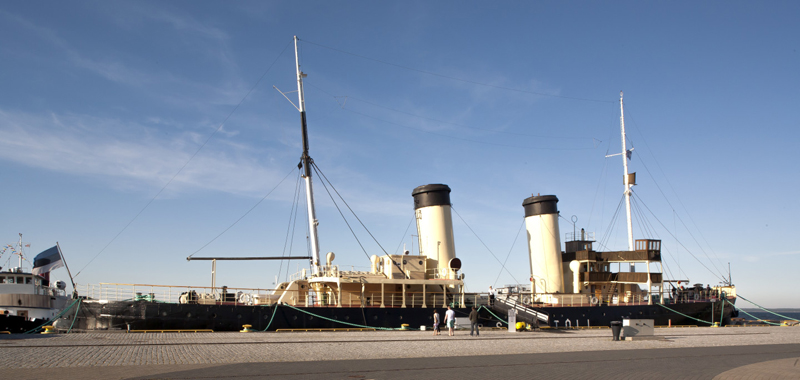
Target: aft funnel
544, 243
435, 226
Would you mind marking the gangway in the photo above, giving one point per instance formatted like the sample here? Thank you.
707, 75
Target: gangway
524, 313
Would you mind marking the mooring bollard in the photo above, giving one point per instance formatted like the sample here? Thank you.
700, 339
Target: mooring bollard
616, 328
247, 328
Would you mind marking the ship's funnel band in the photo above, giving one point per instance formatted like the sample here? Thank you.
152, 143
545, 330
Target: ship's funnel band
431, 195
540, 205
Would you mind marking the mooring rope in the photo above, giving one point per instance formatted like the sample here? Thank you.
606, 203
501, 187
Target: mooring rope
768, 311
493, 314
273, 316
75, 317
678, 312
54, 318
337, 321
751, 316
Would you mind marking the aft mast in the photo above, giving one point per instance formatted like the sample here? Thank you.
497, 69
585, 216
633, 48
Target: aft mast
628, 179
306, 162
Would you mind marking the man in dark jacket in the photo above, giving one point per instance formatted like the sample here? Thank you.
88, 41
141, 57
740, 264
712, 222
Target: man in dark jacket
473, 321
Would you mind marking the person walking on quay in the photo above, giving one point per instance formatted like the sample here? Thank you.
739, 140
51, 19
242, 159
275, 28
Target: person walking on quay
436, 322
450, 320
473, 321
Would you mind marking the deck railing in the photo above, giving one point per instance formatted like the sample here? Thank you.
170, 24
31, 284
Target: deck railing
250, 296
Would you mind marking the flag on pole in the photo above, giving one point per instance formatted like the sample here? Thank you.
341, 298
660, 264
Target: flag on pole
47, 261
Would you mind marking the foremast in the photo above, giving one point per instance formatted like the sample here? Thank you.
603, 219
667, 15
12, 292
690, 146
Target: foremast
306, 162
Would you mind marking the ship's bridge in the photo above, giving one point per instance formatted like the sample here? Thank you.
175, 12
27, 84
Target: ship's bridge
591, 271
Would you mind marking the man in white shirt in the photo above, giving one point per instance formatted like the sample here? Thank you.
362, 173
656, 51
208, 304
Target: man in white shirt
491, 296
450, 320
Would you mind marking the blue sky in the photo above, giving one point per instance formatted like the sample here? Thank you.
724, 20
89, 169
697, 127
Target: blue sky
103, 103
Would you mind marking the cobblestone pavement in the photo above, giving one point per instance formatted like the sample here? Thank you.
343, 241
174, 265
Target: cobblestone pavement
701, 353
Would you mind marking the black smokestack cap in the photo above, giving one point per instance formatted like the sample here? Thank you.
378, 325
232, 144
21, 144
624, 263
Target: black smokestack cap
431, 195
540, 205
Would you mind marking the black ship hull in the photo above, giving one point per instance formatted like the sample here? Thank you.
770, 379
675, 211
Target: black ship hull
680, 314
144, 315
18, 325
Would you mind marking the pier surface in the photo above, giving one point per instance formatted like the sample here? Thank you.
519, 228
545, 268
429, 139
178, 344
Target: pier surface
683, 353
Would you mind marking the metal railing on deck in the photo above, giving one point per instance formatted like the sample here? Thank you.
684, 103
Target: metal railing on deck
170, 293
623, 299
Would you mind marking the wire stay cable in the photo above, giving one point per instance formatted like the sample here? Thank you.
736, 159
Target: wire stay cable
186, 163
245, 214
484, 244
509, 252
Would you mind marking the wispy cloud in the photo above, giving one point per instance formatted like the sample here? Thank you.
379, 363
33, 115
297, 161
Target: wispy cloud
759, 257
104, 148
212, 42
134, 156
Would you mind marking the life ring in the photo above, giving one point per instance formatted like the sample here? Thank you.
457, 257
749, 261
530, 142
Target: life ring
594, 300
526, 300
246, 299
696, 296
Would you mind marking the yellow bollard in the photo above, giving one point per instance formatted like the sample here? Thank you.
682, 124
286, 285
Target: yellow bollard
716, 324
48, 330
247, 328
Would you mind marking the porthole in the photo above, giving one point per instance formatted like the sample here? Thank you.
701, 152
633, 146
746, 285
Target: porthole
346, 317
401, 317
294, 317
420, 262
404, 262
188, 315
238, 316
374, 317
163, 313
